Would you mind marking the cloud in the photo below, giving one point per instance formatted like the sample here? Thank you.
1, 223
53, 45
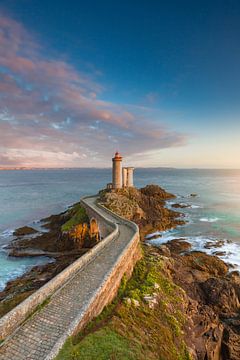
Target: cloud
52, 114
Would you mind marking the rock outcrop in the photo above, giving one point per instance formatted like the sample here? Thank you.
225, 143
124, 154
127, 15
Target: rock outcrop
213, 296
145, 207
25, 230
62, 246
211, 300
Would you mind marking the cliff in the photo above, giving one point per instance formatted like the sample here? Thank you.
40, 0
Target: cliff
145, 207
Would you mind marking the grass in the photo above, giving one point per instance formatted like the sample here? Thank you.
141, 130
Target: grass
77, 215
129, 332
101, 345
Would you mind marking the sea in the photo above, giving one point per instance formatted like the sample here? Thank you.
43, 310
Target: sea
212, 216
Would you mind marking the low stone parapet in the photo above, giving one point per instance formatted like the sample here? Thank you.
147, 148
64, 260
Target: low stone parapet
78, 293
10, 321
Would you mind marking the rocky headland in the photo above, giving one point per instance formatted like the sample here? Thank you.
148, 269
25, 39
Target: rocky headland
146, 207
178, 305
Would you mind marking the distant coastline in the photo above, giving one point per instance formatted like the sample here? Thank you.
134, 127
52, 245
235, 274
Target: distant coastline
47, 168
20, 168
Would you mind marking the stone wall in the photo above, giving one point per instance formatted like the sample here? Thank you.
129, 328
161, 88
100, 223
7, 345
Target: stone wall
10, 321
110, 285
124, 266
103, 296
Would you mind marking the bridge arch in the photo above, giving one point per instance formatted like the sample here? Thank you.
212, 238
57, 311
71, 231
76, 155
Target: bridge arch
94, 229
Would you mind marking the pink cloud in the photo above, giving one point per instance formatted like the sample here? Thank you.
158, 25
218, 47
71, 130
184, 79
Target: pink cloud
52, 113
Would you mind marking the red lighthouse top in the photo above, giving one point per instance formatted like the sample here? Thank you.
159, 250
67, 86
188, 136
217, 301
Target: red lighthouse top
117, 156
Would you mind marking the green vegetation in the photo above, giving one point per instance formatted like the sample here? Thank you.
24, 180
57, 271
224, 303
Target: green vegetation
77, 215
133, 328
101, 345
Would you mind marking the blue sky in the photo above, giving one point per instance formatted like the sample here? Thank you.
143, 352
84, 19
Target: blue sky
158, 80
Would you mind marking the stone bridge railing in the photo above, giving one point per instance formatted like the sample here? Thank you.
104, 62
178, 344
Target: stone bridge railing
10, 321
105, 227
124, 263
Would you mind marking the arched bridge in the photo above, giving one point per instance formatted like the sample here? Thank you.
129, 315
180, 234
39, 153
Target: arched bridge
75, 296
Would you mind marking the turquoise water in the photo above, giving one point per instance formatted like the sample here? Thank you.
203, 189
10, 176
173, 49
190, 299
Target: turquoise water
27, 196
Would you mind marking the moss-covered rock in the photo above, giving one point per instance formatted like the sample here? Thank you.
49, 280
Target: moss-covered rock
77, 215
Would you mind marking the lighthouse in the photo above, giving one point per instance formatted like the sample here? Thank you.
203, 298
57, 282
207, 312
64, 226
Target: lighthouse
121, 177
117, 171
127, 176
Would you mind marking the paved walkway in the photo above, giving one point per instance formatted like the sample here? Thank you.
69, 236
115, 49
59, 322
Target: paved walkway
35, 339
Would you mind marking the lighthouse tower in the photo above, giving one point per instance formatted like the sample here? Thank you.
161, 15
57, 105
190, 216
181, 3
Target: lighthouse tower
127, 175
117, 171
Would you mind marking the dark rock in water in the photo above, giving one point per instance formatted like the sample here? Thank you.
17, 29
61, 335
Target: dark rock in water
178, 246
180, 206
25, 230
231, 266
219, 253
215, 244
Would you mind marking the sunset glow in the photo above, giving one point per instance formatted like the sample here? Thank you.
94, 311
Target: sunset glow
63, 107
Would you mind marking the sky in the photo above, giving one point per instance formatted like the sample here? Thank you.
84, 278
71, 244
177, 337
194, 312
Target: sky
158, 81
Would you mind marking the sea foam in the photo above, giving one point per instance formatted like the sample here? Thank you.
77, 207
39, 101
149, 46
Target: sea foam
227, 251
209, 219
6, 233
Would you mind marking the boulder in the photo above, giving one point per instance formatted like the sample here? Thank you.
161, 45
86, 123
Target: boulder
180, 206
25, 230
178, 246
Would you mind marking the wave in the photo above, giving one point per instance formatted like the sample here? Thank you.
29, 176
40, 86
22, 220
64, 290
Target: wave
163, 238
226, 250
209, 219
6, 233
193, 206
153, 234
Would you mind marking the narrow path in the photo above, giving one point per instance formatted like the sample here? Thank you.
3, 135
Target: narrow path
35, 339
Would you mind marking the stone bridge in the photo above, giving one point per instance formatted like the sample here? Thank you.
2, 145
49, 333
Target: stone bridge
75, 296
